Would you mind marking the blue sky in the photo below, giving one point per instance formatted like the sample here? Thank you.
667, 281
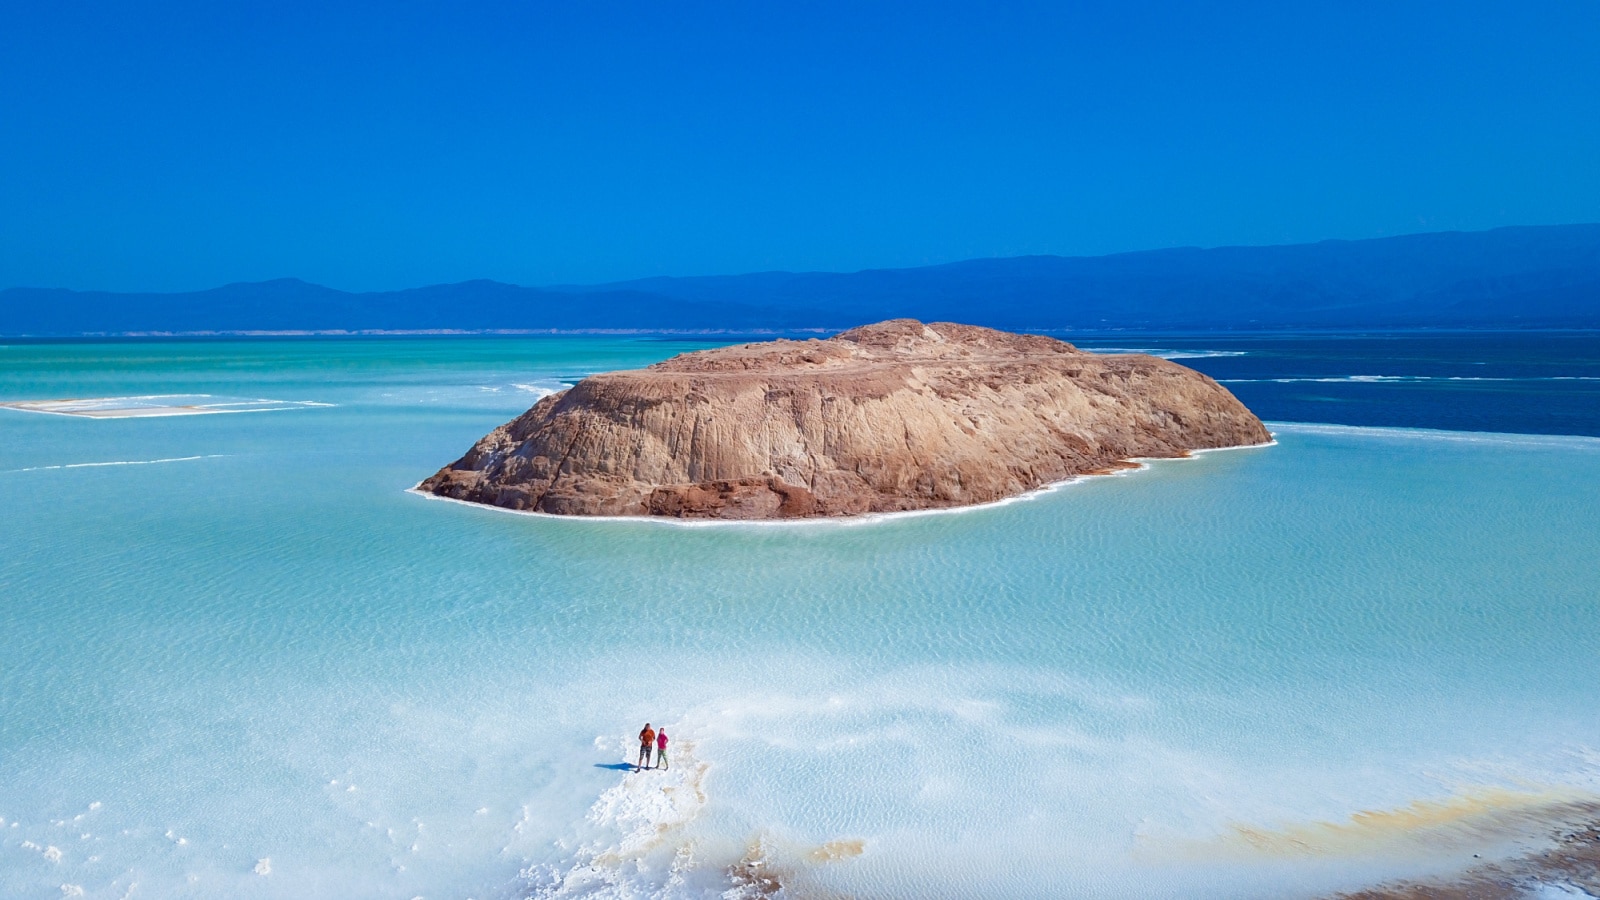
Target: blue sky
168, 146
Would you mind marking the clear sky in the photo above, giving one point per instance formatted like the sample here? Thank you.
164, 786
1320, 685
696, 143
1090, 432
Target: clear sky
168, 146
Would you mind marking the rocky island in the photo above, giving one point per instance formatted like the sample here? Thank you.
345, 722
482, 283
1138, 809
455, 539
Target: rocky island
887, 417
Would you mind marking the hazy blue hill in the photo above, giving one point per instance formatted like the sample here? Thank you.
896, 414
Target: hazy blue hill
1510, 277
294, 305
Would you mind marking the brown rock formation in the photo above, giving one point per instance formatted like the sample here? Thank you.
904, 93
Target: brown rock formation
893, 416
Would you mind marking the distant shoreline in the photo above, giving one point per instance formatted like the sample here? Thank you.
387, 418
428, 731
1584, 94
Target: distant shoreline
765, 333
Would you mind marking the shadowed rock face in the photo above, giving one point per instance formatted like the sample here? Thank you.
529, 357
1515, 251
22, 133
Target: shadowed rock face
886, 417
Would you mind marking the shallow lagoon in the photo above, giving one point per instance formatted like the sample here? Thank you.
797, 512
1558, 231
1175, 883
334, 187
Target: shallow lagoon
264, 670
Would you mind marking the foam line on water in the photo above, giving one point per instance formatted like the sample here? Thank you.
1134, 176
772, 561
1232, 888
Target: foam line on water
540, 391
1400, 379
1138, 464
1501, 438
1169, 354
117, 462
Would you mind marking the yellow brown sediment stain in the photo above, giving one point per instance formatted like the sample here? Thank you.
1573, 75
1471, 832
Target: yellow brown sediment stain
754, 875
757, 875
833, 851
1491, 817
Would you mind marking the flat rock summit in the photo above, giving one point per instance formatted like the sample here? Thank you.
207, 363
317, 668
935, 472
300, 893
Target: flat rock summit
887, 417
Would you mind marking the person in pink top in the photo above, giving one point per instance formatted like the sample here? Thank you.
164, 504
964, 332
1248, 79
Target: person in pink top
661, 748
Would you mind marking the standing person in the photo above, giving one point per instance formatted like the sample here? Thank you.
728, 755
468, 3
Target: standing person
661, 748
647, 739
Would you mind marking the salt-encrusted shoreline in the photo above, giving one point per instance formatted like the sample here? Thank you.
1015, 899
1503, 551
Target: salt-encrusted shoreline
886, 418
1134, 466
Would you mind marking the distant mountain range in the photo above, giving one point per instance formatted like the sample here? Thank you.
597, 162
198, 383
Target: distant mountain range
1526, 277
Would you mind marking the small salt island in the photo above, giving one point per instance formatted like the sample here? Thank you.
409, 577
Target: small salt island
889, 417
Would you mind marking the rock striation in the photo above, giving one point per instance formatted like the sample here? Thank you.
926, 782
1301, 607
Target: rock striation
893, 416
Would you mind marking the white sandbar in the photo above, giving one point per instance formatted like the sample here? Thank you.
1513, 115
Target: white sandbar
154, 405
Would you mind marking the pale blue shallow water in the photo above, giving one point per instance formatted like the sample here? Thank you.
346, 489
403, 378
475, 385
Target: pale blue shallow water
266, 655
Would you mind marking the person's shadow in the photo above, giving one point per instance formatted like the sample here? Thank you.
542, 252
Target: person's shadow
615, 767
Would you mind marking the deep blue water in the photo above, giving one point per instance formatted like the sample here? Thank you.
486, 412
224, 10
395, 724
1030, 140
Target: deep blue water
1525, 383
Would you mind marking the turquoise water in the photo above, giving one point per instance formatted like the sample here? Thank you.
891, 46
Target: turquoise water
264, 669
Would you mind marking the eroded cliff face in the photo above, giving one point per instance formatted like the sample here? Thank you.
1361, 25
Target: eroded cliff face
886, 417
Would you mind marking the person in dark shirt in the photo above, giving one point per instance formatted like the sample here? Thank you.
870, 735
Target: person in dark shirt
647, 740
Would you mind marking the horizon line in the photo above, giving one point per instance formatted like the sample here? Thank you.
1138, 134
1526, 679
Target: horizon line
560, 287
